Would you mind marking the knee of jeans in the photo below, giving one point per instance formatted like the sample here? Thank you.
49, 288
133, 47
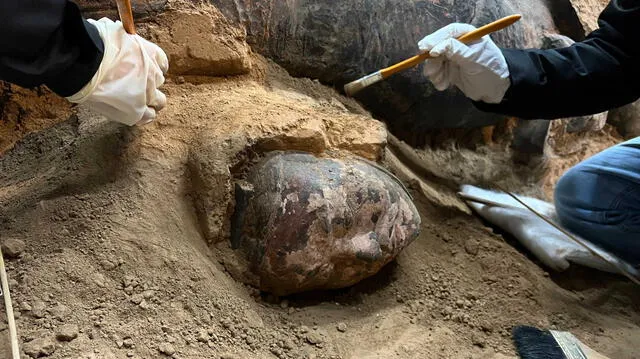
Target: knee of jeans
566, 188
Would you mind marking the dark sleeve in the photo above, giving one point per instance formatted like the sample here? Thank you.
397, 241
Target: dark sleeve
47, 42
597, 74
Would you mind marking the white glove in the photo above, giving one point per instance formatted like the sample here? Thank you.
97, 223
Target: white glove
125, 87
478, 69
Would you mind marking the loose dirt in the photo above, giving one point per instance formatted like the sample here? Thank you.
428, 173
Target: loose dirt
118, 261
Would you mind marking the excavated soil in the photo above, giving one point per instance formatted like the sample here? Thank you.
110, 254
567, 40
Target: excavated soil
123, 260
23, 112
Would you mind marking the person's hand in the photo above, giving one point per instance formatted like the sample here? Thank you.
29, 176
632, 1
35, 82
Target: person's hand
125, 87
478, 69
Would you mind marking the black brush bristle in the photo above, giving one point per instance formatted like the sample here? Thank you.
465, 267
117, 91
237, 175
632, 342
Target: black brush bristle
533, 343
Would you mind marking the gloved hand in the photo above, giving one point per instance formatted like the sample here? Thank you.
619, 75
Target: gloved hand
478, 69
125, 87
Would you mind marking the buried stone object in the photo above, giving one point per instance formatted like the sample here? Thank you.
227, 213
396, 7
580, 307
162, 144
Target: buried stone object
305, 223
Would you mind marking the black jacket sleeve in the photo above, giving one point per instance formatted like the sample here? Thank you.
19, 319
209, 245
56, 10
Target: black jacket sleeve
47, 42
597, 74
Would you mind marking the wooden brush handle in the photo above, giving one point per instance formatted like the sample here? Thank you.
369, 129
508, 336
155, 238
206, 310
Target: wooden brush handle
466, 38
8, 306
126, 16
489, 28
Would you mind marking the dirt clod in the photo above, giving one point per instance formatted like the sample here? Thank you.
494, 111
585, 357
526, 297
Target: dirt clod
40, 347
472, 246
107, 264
314, 338
136, 299
203, 336
39, 309
478, 340
166, 349
12, 247
67, 332
59, 312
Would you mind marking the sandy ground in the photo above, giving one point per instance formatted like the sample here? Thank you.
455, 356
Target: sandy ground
118, 263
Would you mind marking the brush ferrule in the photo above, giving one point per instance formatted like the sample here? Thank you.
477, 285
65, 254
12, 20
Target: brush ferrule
371, 79
569, 344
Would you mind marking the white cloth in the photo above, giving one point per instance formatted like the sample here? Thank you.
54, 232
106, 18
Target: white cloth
478, 69
552, 247
125, 87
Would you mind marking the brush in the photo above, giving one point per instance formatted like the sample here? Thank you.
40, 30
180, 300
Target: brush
126, 16
533, 343
355, 86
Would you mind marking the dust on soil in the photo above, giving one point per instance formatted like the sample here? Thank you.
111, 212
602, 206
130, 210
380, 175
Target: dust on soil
23, 112
115, 246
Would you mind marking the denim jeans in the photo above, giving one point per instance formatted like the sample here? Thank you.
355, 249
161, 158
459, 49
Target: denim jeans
599, 200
